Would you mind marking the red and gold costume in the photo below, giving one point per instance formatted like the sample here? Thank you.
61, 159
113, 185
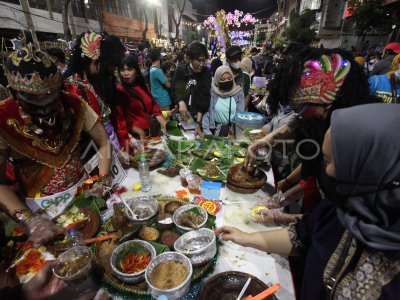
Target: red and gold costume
46, 162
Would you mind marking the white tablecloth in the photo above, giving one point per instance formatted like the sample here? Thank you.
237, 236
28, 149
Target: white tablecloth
269, 268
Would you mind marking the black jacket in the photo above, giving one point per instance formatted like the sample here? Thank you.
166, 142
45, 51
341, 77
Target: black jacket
195, 87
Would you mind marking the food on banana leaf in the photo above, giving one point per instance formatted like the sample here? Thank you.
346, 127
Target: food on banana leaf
180, 146
211, 170
204, 154
171, 171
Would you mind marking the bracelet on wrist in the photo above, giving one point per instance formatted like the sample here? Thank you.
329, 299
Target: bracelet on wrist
22, 215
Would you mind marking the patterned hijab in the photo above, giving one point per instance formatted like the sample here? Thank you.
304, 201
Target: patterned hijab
366, 148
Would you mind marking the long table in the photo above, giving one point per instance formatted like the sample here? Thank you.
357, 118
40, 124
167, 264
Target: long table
270, 268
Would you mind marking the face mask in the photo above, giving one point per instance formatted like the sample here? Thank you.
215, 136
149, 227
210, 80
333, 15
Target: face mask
329, 187
226, 85
236, 65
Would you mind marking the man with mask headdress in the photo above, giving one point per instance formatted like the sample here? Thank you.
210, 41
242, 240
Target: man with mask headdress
40, 129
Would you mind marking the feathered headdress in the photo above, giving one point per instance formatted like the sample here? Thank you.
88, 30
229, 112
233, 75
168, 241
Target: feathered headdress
321, 80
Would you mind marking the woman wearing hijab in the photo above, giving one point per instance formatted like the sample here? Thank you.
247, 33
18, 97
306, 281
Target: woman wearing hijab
351, 240
246, 65
227, 99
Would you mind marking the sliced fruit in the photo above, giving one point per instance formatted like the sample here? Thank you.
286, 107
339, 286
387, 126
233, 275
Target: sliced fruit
240, 159
137, 186
255, 210
217, 154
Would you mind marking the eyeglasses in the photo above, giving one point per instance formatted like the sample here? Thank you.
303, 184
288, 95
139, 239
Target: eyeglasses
200, 60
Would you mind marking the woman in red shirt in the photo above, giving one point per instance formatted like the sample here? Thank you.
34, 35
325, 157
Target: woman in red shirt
134, 103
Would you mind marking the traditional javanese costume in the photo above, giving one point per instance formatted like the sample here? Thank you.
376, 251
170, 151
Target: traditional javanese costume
46, 160
90, 46
351, 240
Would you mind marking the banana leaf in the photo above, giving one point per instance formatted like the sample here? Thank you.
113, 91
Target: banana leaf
173, 128
217, 143
180, 146
93, 202
197, 166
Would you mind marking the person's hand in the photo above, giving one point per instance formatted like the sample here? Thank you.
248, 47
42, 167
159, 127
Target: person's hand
183, 110
123, 157
140, 132
276, 201
252, 155
235, 235
43, 285
269, 217
8, 278
199, 132
41, 230
137, 144
97, 190
173, 111
142, 136
283, 185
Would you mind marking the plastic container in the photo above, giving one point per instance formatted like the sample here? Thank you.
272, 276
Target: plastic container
184, 173
74, 238
211, 190
248, 120
144, 175
260, 85
194, 183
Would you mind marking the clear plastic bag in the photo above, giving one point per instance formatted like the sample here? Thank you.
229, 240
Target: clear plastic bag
276, 201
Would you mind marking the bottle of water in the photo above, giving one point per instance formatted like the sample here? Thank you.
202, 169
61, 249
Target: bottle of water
144, 175
74, 238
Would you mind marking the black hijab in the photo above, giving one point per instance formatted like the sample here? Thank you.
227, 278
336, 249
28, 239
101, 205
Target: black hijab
366, 149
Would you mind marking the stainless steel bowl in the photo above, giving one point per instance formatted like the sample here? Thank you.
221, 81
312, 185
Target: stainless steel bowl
134, 277
180, 290
199, 246
183, 229
145, 208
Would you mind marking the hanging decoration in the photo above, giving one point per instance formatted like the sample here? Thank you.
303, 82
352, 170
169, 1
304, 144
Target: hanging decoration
220, 24
240, 37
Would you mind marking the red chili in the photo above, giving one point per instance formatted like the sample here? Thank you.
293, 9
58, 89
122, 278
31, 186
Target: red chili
133, 263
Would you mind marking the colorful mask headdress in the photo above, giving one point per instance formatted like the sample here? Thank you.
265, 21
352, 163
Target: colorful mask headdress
32, 71
321, 80
90, 45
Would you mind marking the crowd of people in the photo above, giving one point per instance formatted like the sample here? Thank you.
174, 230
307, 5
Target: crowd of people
347, 232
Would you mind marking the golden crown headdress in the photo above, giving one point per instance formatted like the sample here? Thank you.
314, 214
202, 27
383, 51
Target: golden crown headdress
31, 70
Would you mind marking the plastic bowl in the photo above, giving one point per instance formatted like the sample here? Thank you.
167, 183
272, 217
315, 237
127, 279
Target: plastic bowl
73, 254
